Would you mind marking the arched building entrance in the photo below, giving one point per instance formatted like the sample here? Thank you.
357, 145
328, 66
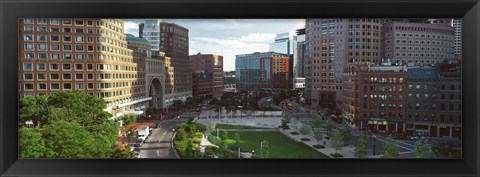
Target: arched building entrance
156, 92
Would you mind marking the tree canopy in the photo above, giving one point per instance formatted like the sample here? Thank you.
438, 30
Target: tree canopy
67, 125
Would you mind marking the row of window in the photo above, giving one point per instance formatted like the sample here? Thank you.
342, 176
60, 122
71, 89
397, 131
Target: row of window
434, 96
417, 35
78, 66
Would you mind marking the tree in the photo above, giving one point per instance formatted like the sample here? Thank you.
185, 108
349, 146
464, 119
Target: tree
224, 151
224, 135
337, 141
237, 139
423, 148
305, 130
129, 119
346, 133
131, 133
120, 153
213, 130
317, 121
361, 148
318, 135
391, 149
329, 126
150, 111
265, 149
69, 140
32, 145
286, 120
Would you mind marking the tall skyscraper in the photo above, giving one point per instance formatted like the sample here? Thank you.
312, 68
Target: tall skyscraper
299, 60
283, 44
457, 25
172, 39
90, 55
333, 47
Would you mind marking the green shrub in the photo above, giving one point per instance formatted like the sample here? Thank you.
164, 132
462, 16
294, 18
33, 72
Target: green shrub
197, 140
294, 133
318, 146
305, 139
198, 135
336, 155
214, 140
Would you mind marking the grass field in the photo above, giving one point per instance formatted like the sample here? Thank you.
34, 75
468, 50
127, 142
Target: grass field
226, 126
280, 145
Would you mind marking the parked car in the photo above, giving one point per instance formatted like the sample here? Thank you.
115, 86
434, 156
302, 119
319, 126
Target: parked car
140, 142
137, 154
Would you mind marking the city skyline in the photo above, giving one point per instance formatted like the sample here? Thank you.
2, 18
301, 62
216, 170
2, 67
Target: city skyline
230, 37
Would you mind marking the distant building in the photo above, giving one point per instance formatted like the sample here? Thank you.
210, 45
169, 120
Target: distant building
299, 49
229, 81
434, 103
172, 39
262, 70
283, 44
418, 43
207, 75
457, 25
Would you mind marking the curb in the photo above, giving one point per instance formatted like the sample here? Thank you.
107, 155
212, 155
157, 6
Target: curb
173, 148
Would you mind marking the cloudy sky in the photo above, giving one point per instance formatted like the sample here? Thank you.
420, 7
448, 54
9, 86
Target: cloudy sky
228, 37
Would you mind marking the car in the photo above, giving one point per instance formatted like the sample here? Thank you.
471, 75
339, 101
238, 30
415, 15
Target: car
139, 142
414, 138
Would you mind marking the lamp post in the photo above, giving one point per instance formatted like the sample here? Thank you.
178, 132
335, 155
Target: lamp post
253, 152
374, 139
241, 111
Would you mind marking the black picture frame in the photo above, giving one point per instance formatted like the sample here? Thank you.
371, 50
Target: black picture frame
11, 10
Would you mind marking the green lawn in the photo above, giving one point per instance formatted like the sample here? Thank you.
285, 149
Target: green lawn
280, 145
226, 126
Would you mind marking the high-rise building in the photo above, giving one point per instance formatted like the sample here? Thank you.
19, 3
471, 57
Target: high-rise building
299, 60
333, 46
457, 25
207, 75
90, 55
141, 26
262, 70
283, 44
172, 39
151, 71
418, 43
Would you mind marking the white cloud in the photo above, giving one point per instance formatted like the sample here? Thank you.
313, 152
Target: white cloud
131, 28
258, 37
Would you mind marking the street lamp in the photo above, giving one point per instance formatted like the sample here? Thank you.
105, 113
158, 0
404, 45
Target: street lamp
253, 152
374, 139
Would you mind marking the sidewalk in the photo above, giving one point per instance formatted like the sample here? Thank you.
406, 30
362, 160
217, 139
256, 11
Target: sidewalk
346, 151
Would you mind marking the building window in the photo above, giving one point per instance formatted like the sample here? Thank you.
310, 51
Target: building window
67, 21
27, 66
42, 86
42, 47
28, 86
80, 56
29, 55
54, 66
55, 56
67, 76
67, 38
67, 56
89, 67
54, 21
79, 86
54, 47
41, 76
78, 76
42, 55
28, 76
90, 86
54, 76
66, 67
67, 86
54, 38
78, 22
28, 46
28, 20
54, 86
67, 47
78, 48
78, 38
90, 76
42, 37
42, 29
41, 66
28, 37
78, 66
90, 56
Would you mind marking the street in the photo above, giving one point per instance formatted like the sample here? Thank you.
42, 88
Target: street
159, 144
